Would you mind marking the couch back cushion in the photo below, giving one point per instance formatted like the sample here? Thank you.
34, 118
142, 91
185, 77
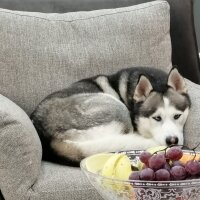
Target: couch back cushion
184, 44
41, 53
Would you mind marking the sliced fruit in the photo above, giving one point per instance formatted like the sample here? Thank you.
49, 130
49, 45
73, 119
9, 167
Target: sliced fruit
96, 162
123, 168
186, 157
117, 166
108, 169
152, 150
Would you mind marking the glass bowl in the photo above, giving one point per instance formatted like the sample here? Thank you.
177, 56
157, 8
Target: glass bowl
114, 189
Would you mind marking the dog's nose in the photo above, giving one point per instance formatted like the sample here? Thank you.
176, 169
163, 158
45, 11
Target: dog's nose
171, 140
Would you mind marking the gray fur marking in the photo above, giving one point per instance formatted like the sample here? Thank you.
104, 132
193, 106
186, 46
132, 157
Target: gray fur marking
181, 102
151, 104
81, 112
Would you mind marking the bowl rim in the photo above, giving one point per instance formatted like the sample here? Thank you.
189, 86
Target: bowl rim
175, 183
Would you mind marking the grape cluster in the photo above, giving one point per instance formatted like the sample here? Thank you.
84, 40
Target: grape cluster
165, 166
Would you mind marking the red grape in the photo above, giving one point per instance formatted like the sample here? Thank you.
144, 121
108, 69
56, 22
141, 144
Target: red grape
157, 161
147, 174
167, 166
192, 167
177, 163
135, 175
174, 153
144, 157
178, 173
162, 175
144, 166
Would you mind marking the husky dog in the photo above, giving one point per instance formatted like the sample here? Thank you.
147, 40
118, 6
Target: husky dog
135, 108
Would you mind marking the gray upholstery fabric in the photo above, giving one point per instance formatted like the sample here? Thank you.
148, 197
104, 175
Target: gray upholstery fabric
20, 152
182, 28
41, 53
192, 128
57, 182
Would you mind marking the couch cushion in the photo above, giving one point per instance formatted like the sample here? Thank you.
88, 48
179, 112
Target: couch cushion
20, 152
41, 53
184, 44
58, 182
192, 127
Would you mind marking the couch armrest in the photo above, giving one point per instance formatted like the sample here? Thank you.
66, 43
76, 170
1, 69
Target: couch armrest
20, 152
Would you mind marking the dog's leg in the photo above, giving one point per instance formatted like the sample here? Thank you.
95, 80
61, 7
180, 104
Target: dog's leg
120, 142
68, 149
72, 144
78, 150
99, 139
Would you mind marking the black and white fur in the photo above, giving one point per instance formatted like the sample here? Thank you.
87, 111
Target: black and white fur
135, 108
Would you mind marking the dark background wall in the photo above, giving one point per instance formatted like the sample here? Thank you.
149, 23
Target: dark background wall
197, 19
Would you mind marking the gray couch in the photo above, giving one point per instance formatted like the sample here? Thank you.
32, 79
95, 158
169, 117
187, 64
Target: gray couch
41, 53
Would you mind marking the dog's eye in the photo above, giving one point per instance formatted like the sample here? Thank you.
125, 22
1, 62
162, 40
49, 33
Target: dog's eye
157, 118
177, 116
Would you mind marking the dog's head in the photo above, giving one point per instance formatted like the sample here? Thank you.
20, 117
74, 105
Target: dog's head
162, 115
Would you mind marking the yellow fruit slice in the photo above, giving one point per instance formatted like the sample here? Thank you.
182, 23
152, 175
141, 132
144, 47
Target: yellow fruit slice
187, 156
117, 166
123, 168
152, 150
108, 169
96, 162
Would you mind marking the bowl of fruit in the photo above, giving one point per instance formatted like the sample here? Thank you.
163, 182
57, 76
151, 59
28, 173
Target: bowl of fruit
159, 173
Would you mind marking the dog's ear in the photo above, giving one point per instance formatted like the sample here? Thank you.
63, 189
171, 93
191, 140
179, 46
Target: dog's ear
142, 89
176, 81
